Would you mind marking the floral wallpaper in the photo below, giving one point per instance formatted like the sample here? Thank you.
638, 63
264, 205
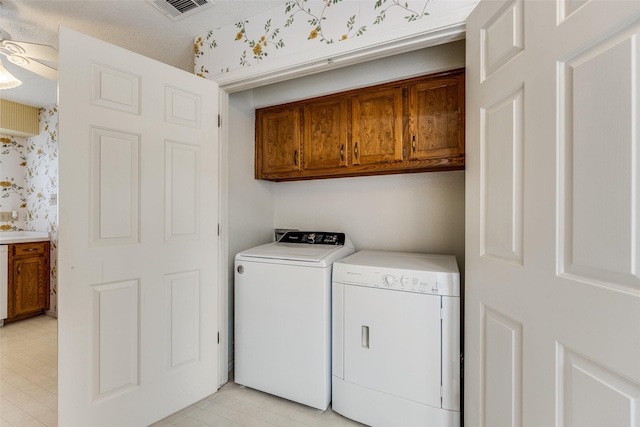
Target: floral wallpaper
28, 179
13, 160
300, 25
41, 182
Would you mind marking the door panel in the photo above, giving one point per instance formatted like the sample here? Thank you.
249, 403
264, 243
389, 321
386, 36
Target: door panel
115, 181
502, 170
592, 113
501, 369
116, 352
552, 291
138, 252
182, 188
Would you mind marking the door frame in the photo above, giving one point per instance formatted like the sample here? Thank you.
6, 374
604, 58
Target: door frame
287, 69
223, 238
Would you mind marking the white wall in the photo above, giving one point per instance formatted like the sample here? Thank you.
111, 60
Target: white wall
421, 212
392, 68
251, 209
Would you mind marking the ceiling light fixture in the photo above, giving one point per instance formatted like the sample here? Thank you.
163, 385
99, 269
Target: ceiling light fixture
7, 80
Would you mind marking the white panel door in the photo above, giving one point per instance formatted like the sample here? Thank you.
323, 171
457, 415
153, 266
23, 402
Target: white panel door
138, 255
552, 192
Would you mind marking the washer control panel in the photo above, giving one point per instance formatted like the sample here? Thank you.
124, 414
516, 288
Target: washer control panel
313, 238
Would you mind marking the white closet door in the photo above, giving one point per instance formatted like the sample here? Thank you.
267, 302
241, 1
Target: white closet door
138, 251
553, 226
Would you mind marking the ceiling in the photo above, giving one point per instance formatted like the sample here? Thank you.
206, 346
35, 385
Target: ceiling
135, 25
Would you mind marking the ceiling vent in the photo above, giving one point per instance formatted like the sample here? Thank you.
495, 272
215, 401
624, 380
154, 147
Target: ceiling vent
179, 9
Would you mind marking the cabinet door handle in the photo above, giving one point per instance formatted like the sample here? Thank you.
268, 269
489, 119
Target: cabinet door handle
295, 158
355, 150
342, 153
19, 268
413, 143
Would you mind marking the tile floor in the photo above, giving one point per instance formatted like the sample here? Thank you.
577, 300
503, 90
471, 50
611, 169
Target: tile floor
234, 405
29, 395
29, 373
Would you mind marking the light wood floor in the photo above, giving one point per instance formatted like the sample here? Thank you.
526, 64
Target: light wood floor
29, 390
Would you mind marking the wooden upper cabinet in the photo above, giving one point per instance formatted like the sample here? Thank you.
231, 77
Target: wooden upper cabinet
415, 125
436, 118
377, 126
278, 141
325, 134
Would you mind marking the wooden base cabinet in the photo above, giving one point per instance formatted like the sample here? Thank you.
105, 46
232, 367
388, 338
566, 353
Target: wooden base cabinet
414, 125
29, 280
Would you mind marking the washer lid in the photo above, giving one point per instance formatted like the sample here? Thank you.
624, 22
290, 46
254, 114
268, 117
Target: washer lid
291, 251
304, 246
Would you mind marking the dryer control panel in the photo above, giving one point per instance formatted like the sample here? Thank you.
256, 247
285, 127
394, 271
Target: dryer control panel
443, 284
420, 273
313, 238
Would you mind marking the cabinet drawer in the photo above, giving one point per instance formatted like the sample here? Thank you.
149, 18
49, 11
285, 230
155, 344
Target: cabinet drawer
31, 248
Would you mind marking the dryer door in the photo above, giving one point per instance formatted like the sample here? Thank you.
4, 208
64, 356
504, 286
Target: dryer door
392, 342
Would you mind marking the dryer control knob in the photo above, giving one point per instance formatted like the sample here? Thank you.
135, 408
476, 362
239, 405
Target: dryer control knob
240, 269
388, 281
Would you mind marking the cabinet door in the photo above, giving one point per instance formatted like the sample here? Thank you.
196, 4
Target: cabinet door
29, 291
436, 118
377, 127
279, 142
325, 134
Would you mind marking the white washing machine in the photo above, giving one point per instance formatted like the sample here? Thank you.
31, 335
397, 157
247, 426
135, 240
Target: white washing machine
396, 339
283, 316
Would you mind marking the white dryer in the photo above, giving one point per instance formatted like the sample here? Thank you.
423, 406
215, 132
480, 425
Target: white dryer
283, 316
396, 339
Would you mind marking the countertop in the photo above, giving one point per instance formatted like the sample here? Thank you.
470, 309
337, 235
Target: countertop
8, 237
